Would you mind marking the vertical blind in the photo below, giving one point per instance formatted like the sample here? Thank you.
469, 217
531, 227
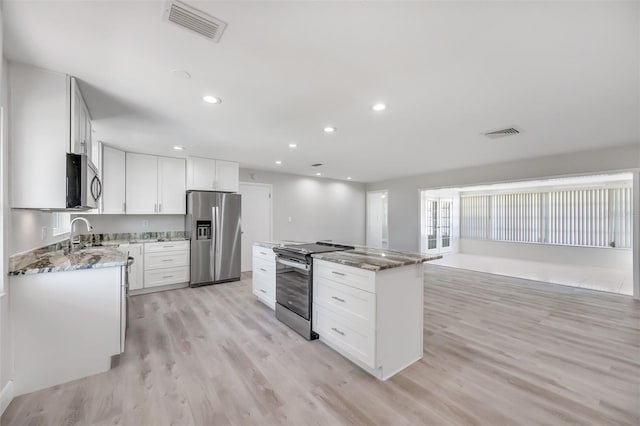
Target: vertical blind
599, 217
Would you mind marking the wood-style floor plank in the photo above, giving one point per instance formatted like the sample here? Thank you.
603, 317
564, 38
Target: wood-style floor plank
498, 351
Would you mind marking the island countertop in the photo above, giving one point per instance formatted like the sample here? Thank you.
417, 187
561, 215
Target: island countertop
60, 259
373, 259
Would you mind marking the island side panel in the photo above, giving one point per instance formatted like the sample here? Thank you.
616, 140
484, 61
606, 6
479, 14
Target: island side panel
400, 318
66, 325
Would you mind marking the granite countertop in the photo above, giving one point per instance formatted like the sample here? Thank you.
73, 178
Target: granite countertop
61, 259
372, 259
272, 244
97, 240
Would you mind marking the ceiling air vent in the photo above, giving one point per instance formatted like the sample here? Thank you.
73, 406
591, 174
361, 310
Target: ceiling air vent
501, 133
194, 20
316, 165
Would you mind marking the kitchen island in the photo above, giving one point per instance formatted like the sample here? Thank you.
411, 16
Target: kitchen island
68, 313
367, 303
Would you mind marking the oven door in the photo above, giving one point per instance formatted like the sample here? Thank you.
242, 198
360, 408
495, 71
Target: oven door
293, 286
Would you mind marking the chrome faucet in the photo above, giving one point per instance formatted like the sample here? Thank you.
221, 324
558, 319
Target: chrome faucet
75, 239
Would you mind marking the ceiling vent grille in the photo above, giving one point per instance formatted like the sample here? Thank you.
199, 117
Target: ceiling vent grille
194, 20
494, 134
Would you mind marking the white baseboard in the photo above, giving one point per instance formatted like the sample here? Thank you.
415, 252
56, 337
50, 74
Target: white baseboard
6, 396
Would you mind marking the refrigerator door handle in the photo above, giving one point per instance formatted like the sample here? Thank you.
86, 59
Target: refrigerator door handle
216, 253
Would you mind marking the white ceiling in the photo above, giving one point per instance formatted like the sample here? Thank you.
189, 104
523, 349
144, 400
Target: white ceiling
565, 73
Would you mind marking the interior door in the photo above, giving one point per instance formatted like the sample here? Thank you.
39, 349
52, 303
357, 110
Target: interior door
377, 223
256, 219
437, 225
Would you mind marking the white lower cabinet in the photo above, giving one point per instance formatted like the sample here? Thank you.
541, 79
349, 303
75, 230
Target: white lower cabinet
136, 271
264, 275
166, 263
375, 319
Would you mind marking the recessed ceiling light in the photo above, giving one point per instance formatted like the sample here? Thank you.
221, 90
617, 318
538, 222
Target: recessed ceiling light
348, 177
293, 145
318, 174
278, 162
329, 129
211, 99
379, 107
178, 148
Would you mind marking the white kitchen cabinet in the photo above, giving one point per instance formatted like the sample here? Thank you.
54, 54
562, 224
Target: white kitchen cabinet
375, 319
155, 185
39, 137
201, 174
171, 186
80, 141
141, 183
113, 180
166, 263
264, 275
136, 271
227, 176
206, 174
66, 325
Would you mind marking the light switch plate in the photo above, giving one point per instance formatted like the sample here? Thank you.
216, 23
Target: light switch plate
43, 233
145, 223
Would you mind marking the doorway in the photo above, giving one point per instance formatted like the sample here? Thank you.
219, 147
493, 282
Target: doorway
437, 225
377, 219
257, 213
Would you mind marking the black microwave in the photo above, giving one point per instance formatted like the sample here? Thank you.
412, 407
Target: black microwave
84, 188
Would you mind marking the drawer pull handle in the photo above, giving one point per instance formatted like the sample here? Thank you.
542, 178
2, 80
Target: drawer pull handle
338, 273
338, 331
167, 276
263, 270
338, 299
263, 291
168, 260
167, 246
263, 253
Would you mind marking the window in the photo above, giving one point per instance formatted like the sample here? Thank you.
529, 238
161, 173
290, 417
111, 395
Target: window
61, 223
594, 217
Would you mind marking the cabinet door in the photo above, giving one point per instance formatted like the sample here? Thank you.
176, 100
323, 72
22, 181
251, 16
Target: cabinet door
79, 117
113, 181
201, 174
171, 186
226, 176
141, 183
136, 273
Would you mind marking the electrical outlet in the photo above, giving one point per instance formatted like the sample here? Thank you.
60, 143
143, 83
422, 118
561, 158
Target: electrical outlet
145, 223
289, 219
43, 233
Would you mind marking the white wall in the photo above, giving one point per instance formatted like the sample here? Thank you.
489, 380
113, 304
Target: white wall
109, 224
320, 209
26, 230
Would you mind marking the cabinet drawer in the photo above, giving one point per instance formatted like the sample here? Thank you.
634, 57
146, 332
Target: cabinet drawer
354, 277
166, 276
264, 288
263, 253
169, 259
264, 268
356, 305
166, 246
337, 330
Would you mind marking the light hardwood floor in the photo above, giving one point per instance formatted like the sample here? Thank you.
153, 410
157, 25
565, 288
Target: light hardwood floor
498, 351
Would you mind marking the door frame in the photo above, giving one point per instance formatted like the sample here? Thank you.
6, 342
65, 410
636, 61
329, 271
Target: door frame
438, 249
263, 185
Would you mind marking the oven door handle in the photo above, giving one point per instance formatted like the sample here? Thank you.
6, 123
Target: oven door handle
296, 265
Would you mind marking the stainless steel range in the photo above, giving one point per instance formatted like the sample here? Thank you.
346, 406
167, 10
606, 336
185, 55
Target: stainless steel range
294, 284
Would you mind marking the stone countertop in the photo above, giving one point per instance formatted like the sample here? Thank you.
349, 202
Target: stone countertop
60, 259
98, 240
272, 244
372, 259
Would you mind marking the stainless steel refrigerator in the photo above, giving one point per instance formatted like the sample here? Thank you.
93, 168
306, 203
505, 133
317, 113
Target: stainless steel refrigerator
213, 222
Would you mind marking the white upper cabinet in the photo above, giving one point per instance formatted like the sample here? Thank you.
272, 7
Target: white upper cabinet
227, 176
113, 180
80, 123
39, 137
171, 185
201, 174
205, 174
155, 185
142, 184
